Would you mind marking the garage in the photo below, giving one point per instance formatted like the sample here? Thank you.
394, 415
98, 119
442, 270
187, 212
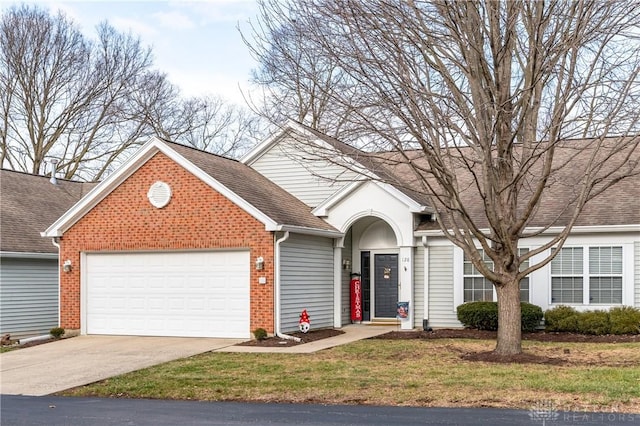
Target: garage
189, 294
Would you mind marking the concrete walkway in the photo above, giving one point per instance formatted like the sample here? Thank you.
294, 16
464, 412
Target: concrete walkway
351, 334
68, 363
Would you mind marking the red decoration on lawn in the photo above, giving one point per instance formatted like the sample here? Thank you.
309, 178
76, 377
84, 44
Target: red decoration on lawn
305, 322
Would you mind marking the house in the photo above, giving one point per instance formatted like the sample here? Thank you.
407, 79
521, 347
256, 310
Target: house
28, 263
179, 242
391, 226
185, 243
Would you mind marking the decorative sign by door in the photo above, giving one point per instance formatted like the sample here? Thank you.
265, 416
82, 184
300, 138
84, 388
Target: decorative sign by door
356, 298
386, 272
403, 311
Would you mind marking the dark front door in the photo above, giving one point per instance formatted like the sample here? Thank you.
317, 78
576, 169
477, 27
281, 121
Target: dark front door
386, 285
365, 259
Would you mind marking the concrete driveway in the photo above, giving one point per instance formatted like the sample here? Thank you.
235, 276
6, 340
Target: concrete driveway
53, 367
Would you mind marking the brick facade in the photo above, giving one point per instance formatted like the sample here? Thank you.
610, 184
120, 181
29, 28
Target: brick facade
197, 217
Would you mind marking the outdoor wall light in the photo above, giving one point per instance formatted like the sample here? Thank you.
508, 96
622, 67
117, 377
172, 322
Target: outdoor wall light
66, 266
346, 264
260, 263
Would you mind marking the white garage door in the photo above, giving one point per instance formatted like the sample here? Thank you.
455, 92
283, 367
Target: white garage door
190, 294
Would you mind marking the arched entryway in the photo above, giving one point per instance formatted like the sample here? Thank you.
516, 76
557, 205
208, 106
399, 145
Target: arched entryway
375, 253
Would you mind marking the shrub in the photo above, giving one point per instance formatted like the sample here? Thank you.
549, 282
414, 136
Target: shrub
569, 324
484, 315
561, 318
531, 316
480, 315
624, 320
57, 332
260, 333
594, 322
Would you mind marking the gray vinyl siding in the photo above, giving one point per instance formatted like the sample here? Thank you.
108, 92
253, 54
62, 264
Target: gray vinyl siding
347, 253
28, 296
418, 286
636, 272
441, 310
312, 182
306, 281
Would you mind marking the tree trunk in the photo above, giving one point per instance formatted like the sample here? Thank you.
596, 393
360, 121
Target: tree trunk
509, 319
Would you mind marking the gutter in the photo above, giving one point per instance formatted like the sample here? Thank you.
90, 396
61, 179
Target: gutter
54, 241
309, 231
277, 306
425, 280
28, 255
597, 229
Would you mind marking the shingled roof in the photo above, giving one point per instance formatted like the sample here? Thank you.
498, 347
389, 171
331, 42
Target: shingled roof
257, 190
28, 205
617, 205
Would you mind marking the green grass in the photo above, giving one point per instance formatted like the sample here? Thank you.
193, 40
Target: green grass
397, 372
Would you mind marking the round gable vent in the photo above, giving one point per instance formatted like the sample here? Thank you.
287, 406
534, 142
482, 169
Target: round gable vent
159, 194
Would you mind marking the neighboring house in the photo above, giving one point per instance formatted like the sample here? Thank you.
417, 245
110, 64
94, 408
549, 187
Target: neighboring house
185, 243
28, 262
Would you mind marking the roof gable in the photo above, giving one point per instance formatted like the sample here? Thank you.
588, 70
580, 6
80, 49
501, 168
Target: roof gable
364, 165
246, 188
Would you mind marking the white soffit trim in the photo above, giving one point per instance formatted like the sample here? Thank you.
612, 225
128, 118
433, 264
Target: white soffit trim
129, 167
554, 230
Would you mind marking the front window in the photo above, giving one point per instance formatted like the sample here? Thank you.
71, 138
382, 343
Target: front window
478, 288
605, 275
566, 276
601, 280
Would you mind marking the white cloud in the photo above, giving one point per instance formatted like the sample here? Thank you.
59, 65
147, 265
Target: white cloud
173, 20
203, 82
137, 27
209, 11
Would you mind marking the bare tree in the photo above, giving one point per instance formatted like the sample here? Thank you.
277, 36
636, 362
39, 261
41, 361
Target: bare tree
476, 100
89, 103
296, 81
219, 127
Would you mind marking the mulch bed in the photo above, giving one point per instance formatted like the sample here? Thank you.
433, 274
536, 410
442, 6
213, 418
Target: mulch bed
540, 336
311, 336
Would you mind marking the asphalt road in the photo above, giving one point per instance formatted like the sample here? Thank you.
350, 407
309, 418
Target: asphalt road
54, 411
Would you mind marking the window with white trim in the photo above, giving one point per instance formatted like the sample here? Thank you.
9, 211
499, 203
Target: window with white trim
601, 279
477, 288
605, 275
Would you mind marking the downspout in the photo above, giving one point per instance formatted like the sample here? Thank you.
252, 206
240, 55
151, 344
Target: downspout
425, 319
54, 241
276, 268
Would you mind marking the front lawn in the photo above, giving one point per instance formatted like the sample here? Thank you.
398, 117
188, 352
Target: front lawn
577, 376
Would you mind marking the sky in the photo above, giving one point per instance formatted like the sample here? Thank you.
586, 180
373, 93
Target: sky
196, 43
